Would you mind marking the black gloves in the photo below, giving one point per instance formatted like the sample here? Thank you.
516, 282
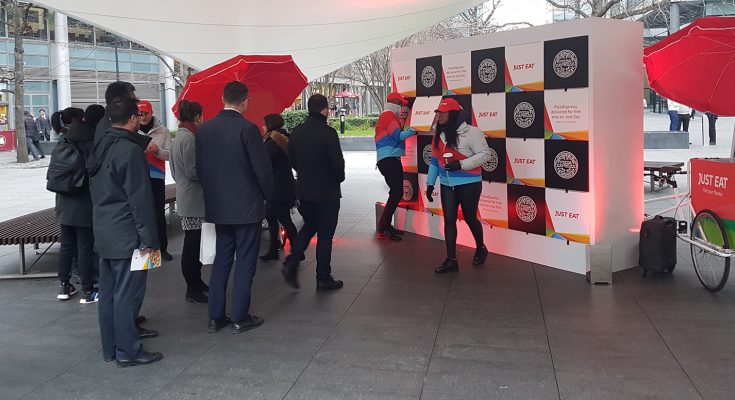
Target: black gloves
430, 192
453, 166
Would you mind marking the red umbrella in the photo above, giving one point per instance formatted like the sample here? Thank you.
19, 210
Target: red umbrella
274, 83
696, 65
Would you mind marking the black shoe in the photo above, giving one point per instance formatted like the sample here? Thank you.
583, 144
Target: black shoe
166, 256
109, 359
271, 255
329, 283
203, 286
291, 275
139, 319
143, 358
480, 256
196, 297
449, 265
146, 333
215, 325
386, 233
251, 323
66, 290
396, 231
43, 156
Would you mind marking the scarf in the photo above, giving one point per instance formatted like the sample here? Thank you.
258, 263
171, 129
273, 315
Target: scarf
394, 108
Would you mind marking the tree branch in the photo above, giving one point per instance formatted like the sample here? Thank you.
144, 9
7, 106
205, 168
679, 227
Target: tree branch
643, 10
576, 10
603, 11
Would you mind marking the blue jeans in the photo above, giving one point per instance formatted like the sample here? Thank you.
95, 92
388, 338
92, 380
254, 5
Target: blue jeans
673, 121
32, 148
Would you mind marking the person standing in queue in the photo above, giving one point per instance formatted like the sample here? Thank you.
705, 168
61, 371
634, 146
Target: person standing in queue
123, 221
157, 153
316, 156
278, 209
189, 198
390, 147
237, 178
458, 151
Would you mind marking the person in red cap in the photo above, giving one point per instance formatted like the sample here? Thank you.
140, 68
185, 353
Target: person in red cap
390, 146
458, 151
157, 153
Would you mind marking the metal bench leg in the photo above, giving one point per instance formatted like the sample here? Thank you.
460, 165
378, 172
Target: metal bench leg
22, 250
653, 182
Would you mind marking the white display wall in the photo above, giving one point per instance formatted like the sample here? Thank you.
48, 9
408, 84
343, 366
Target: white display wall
560, 108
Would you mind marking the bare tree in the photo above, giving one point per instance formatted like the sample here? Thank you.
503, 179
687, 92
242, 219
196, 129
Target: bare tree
616, 9
20, 26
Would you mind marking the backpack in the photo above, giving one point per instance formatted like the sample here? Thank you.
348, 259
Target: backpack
66, 172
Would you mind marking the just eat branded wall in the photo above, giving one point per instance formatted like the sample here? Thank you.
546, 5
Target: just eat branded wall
562, 173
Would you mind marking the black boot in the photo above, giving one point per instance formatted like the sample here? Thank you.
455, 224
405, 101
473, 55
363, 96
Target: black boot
449, 265
270, 255
480, 256
195, 296
328, 283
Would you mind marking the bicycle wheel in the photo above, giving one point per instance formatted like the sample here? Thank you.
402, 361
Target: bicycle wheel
712, 270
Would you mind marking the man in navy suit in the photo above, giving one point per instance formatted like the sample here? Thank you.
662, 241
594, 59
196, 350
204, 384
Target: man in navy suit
236, 176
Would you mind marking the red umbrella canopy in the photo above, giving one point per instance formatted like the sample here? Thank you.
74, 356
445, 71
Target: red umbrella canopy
696, 65
274, 82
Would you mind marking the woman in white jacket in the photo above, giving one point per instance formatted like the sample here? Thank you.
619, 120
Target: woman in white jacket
458, 151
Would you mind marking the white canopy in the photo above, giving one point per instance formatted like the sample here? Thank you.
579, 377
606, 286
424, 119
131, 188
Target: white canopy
321, 35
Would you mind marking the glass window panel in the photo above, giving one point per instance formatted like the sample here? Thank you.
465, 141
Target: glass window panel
35, 61
79, 32
81, 63
4, 59
3, 21
123, 55
144, 58
35, 49
108, 55
40, 100
103, 65
126, 67
37, 86
145, 68
108, 39
37, 28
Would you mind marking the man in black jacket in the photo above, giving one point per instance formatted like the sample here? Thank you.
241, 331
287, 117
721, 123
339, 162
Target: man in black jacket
236, 176
123, 221
316, 156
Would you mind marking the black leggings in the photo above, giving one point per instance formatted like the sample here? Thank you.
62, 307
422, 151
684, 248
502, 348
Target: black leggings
275, 213
191, 267
468, 196
392, 170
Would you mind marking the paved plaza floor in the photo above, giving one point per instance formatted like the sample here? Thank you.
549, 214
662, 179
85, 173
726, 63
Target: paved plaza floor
508, 330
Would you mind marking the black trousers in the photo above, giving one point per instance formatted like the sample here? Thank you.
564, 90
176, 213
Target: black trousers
684, 122
240, 242
711, 121
120, 298
76, 243
468, 196
191, 267
275, 213
159, 204
320, 218
392, 171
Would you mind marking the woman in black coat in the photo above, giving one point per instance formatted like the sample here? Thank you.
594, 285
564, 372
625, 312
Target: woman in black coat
279, 209
74, 212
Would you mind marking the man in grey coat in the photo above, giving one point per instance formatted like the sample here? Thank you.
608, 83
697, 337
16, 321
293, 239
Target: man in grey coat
237, 177
123, 221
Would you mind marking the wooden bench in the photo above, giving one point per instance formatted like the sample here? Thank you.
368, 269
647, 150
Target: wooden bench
662, 172
40, 227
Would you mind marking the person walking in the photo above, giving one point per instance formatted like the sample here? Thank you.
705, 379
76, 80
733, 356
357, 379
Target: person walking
189, 198
278, 209
123, 221
712, 122
44, 125
236, 177
685, 114
157, 153
458, 151
316, 156
673, 115
32, 135
390, 147
74, 211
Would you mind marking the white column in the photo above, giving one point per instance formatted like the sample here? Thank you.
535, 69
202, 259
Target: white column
61, 72
169, 90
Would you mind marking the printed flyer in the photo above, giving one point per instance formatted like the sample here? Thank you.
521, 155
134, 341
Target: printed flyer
566, 114
527, 209
456, 73
525, 162
524, 67
489, 113
568, 216
494, 204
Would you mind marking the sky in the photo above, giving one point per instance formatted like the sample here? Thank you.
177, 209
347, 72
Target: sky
533, 11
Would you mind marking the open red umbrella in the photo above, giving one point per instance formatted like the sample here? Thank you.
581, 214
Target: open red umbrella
274, 83
696, 65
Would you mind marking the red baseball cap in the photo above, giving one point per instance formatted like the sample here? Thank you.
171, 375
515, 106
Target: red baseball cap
448, 105
399, 97
145, 106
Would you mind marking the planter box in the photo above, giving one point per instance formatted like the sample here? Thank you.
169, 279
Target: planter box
665, 140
